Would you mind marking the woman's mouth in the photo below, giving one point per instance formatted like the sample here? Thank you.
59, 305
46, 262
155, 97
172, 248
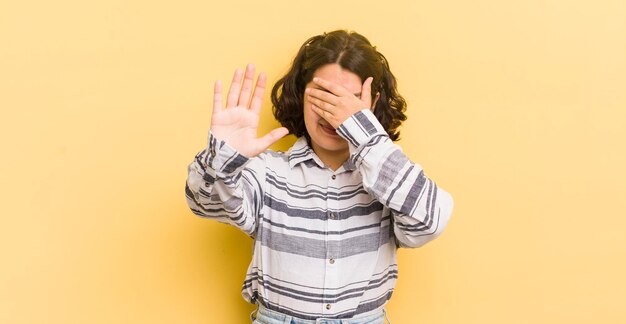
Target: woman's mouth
329, 130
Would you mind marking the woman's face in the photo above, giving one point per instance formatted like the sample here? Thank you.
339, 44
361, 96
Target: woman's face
324, 139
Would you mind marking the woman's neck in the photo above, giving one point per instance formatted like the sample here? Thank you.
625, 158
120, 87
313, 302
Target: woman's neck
331, 159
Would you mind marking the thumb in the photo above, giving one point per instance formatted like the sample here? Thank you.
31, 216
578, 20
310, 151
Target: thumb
272, 137
366, 92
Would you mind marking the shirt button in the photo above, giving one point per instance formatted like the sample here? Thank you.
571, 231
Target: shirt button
331, 261
327, 306
334, 177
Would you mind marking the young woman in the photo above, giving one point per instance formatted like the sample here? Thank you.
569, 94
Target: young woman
328, 215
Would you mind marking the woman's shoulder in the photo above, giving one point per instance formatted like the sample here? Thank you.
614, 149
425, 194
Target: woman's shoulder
276, 158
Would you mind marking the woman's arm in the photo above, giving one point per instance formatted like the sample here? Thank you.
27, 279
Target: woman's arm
225, 179
420, 208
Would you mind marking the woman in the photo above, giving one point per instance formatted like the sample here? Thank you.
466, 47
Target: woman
328, 215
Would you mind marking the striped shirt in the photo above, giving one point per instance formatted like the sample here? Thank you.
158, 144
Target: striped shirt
324, 241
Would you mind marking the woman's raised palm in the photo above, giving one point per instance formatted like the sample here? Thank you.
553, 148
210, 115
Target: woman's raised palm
237, 123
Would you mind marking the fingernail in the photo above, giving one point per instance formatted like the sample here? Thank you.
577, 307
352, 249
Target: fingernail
307, 90
316, 79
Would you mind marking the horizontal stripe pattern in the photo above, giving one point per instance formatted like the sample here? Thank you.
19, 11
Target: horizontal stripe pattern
324, 241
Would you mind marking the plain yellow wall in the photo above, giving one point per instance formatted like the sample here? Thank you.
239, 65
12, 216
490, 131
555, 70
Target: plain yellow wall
517, 108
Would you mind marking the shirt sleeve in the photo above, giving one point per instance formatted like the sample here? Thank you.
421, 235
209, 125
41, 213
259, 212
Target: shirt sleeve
226, 186
420, 208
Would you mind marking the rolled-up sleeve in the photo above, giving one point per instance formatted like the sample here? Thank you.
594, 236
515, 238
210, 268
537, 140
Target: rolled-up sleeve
226, 186
420, 209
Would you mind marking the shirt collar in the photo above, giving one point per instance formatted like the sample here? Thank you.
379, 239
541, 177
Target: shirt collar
302, 152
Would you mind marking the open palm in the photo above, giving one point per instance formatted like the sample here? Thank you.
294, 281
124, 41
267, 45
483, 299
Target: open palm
237, 123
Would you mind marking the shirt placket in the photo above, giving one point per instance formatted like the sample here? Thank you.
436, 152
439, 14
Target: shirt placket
332, 245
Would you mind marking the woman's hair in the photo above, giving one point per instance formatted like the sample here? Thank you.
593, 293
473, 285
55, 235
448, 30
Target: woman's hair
353, 52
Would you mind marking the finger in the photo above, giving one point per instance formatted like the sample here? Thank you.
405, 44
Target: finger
246, 90
366, 92
321, 112
259, 89
233, 92
272, 137
217, 96
332, 87
322, 95
322, 105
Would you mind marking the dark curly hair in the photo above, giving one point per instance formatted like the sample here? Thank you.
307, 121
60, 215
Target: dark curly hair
352, 52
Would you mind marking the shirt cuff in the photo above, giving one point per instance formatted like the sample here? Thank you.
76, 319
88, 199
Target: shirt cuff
223, 158
359, 128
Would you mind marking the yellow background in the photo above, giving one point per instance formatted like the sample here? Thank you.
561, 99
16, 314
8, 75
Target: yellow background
517, 108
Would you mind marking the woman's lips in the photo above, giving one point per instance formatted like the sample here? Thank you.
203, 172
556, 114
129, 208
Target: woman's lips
329, 130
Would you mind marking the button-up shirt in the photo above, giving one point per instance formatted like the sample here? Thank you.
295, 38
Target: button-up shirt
324, 241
